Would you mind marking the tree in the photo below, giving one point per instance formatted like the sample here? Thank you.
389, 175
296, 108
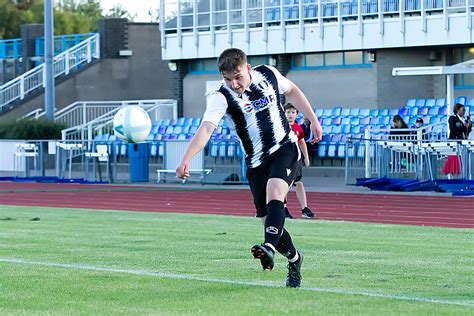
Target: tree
119, 11
70, 16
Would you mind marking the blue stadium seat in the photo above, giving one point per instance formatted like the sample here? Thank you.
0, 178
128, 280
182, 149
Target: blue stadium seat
346, 129
374, 112
197, 121
337, 129
420, 102
355, 121
181, 136
374, 121
166, 122
345, 112
327, 112
154, 129
461, 100
423, 111
413, 111
364, 112
189, 136
346, 121
193, 129
403, 112
410, 103
150, 137
383, 112
188, 121
327, 122
173, 137
336, 111
165, 137
365, 120
158, 137
443, 110
336, 121
470, 102
355, 112
180, 121
341, 150
322, 149
430, 102
385, 120
355, 129
169, 129
319, 112
331, 153
161, 129
433, 111
310, 9
327, 129
441, 102
392, 112
177, 129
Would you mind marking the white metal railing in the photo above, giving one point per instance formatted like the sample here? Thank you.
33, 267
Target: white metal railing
82, 53
92, 117
189, 15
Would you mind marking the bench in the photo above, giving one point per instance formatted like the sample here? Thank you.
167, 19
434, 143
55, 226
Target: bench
202, 172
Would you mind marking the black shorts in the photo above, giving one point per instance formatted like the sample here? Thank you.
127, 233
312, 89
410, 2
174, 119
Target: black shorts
282, 164
299, 171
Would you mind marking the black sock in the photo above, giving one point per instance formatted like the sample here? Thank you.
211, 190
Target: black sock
285, 245
274, 222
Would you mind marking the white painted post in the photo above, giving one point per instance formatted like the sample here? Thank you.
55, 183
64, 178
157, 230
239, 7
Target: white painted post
66, 63
22, 87
367, 152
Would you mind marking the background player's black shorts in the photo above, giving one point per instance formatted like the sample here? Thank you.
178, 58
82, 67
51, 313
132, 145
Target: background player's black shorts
282, 164
299, 171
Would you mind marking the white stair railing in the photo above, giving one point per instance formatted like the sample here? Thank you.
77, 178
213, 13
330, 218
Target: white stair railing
104, 112
83, 53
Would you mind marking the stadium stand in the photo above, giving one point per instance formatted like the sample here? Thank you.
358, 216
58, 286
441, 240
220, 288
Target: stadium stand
338, 124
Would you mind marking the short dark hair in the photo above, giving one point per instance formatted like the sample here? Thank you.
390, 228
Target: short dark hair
457, 107
230, 59
290, 106
419, 120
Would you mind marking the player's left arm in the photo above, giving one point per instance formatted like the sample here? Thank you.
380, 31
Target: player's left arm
297, 97
304, 149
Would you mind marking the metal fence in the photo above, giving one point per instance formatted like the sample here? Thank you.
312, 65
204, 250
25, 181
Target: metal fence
408, 159
112, 161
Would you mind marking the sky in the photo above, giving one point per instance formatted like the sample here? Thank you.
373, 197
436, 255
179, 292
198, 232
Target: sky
137, 8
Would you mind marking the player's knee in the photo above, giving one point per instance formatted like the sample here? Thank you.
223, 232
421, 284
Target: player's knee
276, 189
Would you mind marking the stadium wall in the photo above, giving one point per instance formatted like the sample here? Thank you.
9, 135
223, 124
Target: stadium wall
144, 75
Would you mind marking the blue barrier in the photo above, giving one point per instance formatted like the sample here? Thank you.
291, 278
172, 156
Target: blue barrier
10, 48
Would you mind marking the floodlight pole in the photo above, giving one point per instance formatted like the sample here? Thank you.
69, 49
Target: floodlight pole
48, 60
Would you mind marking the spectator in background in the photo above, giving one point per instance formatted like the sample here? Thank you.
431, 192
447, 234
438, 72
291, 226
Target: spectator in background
308, 136
291, 112
419, 123
459, 128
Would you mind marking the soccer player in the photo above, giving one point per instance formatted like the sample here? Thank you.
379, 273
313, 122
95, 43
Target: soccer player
250, 100
291, 112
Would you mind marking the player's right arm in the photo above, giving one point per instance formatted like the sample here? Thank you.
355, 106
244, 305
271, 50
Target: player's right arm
216, 108
199, 141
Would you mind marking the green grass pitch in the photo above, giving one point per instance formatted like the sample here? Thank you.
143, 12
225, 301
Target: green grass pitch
87, 262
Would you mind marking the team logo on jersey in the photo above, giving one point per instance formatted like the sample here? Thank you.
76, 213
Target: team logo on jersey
263, 103
248, 107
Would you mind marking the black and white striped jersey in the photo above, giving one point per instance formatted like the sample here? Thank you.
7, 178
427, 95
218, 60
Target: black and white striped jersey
257, 116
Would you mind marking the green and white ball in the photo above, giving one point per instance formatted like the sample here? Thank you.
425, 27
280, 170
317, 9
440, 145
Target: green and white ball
132, 124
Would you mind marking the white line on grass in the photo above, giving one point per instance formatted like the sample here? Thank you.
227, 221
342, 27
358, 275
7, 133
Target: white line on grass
227, 281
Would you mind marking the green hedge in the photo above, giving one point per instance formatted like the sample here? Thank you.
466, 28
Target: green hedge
31, 129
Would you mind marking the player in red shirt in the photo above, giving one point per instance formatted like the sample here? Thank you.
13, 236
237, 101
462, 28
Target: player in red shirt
291, 112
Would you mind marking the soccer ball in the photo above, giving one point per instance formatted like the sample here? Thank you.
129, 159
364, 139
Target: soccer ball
132, 124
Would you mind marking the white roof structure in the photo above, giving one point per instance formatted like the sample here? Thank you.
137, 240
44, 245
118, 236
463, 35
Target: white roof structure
466, 67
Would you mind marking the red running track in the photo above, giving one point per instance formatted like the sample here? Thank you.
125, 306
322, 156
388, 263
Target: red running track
373, 208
